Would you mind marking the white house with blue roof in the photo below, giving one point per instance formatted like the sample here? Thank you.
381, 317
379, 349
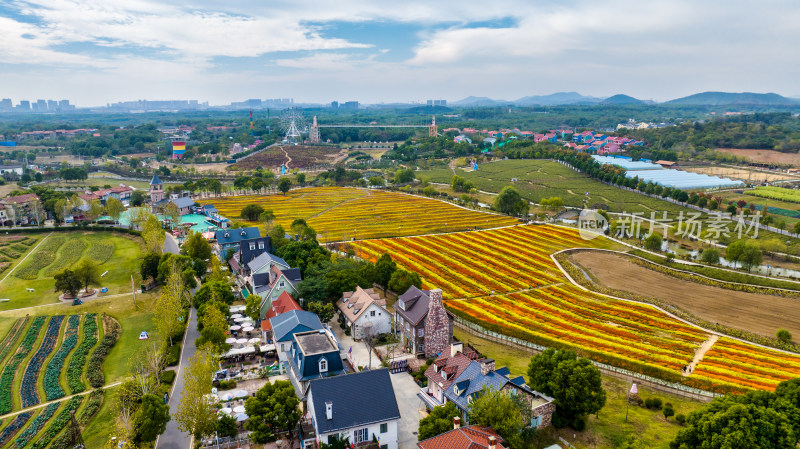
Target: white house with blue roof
359, 406
285, 325
481, 374
231, 238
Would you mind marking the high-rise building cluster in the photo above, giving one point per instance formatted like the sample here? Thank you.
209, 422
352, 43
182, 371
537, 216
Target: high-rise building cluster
6, 105
437, 102
156, 105
345, 105
257, 103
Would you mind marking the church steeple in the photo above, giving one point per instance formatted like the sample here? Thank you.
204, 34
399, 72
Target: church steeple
156, 190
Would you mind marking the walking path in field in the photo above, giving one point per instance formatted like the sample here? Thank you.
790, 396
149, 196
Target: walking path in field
26, 256
288, 158
700, 353
65, 398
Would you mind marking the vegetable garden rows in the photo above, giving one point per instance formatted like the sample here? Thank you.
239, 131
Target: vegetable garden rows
45, 364
505, 281
59, 252
339, 213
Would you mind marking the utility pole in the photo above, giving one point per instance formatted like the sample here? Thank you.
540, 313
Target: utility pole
133, 288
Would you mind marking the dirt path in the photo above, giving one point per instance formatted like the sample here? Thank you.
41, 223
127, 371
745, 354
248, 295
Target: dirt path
700, 353
762, 314
288, 158
452, 166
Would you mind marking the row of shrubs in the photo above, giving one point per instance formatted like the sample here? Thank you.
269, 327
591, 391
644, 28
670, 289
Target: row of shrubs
94, 369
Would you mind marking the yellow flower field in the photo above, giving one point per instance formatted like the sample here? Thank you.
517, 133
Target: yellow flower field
340, 213
504, 280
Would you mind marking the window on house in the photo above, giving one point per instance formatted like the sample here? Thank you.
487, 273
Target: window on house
283, 349
371, 313
323, 365
384, 427
384, 446
421, 332
282, 284
260, 245
360, 435
252, 246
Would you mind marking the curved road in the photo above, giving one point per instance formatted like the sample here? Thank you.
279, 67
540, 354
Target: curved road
173, 438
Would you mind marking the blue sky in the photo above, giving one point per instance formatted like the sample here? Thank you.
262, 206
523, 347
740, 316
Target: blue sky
100, 51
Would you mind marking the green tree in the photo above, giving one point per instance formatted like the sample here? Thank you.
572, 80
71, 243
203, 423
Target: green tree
153, 235
197, 247
267, 217
510, 202
114, 208
323, 310
497, 409
573, 382
710, 256
751, 256
403, 175
301, 178
277, 237
459, 184
95, 210
173, 213
168, 309
376, 181
226, 426
196, 414
149, 266
68, 282
402, 280
271, 410
138, 197
284, 184
653, 242
668, 411
438, 421
784, 336
385, 268
796, 228
251, 212
151, 419
88, 273
213, 290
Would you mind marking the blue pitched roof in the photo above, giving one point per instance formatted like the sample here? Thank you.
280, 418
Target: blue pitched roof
357, 400
504, 371
518, 381
183, 201
230, 236
293, 274
155, 180
265, 258
287, 324
475, 383
247, 254
260, 279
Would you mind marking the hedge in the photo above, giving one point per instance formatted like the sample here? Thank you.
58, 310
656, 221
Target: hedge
75, 370
94, 370
167, 377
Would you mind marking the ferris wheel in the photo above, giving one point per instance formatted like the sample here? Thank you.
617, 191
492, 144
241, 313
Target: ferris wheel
293, 124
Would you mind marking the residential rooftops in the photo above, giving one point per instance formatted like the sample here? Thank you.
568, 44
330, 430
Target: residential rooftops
315, 342
470, 437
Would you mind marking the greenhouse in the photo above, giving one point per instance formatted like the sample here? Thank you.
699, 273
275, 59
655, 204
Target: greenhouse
682, 179
627, 163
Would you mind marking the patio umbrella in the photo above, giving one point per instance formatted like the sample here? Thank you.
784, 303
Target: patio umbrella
226, 410
248, 329
235, 327
241, 394
247, 319
225, 397
241, 341
238, 409
230, 340
239, 320
241, 417
255, 341
236, 315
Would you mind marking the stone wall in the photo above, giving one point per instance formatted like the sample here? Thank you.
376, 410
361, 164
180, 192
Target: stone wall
437, 326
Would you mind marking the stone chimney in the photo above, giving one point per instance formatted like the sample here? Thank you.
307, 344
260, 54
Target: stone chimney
487, 366
456, 347
492, 442
329, 410
437, 326
456, 422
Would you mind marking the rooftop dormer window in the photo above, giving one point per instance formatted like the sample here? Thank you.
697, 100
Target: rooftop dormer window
323, 365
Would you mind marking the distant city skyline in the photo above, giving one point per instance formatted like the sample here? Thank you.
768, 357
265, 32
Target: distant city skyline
96, 53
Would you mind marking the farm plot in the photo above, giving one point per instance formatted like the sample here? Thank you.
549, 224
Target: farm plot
297, 156
31, 283
471, 264
506, 282
44, 371
14, 248
759, 313
339, 213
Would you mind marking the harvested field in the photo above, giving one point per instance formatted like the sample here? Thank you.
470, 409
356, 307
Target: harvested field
297, 156
764, 156
762, 314
753, 176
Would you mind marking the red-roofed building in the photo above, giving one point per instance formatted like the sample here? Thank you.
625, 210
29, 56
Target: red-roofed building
284, 303
470, 437
19, 209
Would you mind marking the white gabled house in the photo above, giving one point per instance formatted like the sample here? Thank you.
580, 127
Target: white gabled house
362, 310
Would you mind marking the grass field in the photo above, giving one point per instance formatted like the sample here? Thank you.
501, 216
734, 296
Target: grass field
609, 429
339, 213
118, 254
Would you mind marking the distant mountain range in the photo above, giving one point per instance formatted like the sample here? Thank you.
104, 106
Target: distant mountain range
574, 98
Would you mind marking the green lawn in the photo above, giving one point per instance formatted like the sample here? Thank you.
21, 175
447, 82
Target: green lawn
539, 179
610, 429
100, 427
124, 261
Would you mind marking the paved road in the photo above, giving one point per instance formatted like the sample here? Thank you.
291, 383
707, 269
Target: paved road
173, 438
